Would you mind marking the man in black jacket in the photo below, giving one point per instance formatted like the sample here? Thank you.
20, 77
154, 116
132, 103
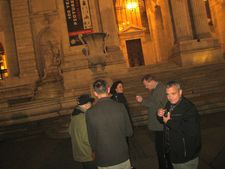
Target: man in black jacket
108, 125
181, 128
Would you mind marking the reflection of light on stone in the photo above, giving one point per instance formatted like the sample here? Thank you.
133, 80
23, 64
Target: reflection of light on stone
131, 5
123, 25
205, 58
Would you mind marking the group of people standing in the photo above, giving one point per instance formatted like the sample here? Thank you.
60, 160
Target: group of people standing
99, 132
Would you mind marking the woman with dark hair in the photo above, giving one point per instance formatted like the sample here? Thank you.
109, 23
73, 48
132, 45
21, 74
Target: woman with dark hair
117, 90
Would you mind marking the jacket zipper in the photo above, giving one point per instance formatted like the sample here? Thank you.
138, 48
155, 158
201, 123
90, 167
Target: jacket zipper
185, 152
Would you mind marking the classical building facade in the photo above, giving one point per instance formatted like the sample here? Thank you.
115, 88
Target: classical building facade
52, 50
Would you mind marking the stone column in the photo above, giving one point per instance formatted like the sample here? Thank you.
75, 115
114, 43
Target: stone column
6, 28
202, 29
24, 40
108, 21
182, 23
194, 44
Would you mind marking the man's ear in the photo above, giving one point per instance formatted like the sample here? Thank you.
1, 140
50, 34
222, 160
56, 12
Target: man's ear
181, 91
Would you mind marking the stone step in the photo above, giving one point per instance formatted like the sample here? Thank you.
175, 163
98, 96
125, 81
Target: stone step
204, 85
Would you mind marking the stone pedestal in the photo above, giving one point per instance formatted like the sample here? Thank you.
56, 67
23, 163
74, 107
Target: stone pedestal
194, 52
96, 53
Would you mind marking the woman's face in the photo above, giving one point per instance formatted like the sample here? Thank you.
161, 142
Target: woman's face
119, 88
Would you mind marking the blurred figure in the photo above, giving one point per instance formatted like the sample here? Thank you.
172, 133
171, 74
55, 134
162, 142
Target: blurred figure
78, 131
182, 128
108, 126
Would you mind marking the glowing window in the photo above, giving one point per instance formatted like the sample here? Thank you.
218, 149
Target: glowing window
3, 64
128, 14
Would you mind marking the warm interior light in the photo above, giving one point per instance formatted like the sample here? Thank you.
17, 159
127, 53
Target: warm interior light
131, 5
3, 66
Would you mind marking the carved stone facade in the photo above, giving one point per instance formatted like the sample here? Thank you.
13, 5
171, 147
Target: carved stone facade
46, 73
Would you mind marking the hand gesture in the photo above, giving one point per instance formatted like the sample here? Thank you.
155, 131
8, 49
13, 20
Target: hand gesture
139, 99
161, 112
166, 118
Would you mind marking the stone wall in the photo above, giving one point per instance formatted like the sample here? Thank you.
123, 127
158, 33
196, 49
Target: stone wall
51, 72
218, 22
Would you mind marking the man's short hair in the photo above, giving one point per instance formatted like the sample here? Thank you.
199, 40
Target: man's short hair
100, 86
173, 83
148, 78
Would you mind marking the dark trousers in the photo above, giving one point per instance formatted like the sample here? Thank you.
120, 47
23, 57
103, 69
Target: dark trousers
163, 158
89, 165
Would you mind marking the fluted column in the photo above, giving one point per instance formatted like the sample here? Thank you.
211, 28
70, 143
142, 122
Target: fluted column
23, 38
108, 21
202, 29
181, 19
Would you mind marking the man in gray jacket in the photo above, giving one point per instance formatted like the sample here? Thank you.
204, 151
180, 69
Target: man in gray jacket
108, 125
155, 100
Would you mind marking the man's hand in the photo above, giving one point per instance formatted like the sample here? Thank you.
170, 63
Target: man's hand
139, 99
93, 156
161, 112
166, 118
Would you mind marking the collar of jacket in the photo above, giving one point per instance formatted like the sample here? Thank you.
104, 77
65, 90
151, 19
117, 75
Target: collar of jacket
104, 98
77, 111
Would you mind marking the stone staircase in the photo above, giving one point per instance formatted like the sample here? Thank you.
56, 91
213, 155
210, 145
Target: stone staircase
204, 85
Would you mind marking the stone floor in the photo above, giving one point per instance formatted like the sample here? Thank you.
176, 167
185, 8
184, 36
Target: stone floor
41, 152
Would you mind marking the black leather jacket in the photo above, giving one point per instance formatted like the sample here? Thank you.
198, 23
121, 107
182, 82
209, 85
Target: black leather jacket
182, 132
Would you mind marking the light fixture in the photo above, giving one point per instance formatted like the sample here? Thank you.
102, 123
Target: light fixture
131, 5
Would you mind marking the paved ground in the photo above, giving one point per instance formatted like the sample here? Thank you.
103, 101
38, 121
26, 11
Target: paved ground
41, 152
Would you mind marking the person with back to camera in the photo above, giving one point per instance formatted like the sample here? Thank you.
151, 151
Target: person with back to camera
78, 131
182, 128
155, 100
108, 126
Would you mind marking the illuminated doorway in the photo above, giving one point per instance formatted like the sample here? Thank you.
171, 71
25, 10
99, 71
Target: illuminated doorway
133, 28
135, 54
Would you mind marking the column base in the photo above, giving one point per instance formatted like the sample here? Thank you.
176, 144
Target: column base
194, 52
